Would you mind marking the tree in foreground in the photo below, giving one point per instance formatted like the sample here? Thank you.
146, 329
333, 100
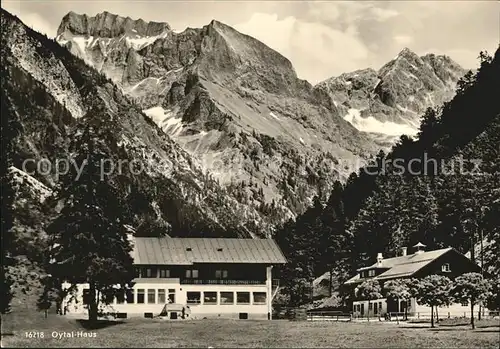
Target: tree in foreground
471, 288
493, 301
433, 291
370, 290
51, 294
9, 129
398, 290
88, 240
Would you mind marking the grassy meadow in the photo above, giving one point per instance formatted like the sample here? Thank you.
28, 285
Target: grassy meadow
25, 330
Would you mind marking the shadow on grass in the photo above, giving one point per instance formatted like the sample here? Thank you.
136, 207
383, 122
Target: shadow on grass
446, 329
416, 327
489, 331
99, 324
490, 328
443, 328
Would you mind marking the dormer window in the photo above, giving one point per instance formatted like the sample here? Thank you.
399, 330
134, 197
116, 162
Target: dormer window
445, 268
189, 249
371, 272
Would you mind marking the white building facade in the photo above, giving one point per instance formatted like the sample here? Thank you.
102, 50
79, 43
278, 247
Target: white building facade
196, 278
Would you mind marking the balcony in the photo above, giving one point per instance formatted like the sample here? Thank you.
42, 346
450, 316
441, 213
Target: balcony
222, 282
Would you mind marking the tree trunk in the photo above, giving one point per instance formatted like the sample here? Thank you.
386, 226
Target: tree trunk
45, 313
397, 317
312, 292
472, 313
331, 282
432, 316
437, 314
368, 312
92, 303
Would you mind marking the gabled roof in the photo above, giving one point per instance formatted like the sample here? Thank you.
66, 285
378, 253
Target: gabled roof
402, 266
186, 251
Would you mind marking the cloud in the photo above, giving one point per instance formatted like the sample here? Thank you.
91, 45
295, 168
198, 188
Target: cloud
381, 14
403, 39
36, 22
31, 18
317, 51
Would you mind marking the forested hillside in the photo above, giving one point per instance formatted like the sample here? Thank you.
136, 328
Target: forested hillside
441, 188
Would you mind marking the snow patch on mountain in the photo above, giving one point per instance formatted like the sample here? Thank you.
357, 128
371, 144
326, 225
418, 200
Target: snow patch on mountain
274, 115
165, 119
372, 125
139, 42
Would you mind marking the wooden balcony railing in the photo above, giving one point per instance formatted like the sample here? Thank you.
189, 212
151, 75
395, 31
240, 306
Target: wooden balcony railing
222, 282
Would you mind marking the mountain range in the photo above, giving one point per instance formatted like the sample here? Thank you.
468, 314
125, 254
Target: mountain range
238, 107
234, 143
391, 100
228, 112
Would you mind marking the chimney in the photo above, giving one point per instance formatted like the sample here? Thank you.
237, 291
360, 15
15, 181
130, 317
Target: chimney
379, 259
404, 250
420, 248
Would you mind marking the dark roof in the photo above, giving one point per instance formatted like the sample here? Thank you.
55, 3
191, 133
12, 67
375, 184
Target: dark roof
402, 266
186, 251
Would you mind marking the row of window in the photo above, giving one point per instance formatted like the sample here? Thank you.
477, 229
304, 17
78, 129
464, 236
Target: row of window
162, 296
376, 307
445, 268
223, 298
154, 296
368, 273
162, 272
142, 296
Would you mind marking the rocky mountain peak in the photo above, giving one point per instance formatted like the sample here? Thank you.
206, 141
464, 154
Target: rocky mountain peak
391, 100
406, 52
108, 25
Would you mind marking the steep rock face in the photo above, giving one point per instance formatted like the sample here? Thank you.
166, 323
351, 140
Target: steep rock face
391, 100
238, 107
48, 91
108, 25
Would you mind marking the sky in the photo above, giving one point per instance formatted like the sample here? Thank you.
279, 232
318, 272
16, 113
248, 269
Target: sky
321, 38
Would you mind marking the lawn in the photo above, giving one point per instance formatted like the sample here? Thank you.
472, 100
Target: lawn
241, 333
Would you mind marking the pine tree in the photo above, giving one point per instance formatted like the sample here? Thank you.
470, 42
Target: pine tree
88, 238
336, 254
9, 130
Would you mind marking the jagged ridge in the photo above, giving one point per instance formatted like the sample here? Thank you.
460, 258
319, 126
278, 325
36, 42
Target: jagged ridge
239, 107
392, 99
108, 25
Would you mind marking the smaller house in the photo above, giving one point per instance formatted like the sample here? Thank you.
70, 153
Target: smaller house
421, 263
